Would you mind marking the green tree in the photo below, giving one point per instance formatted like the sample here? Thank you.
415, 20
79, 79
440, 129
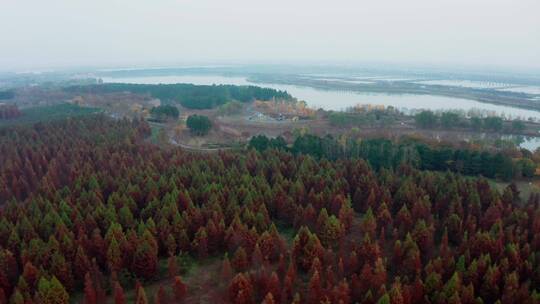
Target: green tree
230, 108
259, 142
527, 167
385, 299
518, 125
199, 124
165, 112
493, 123
450, 119
476, 123
52, 292
426, 119
114, 256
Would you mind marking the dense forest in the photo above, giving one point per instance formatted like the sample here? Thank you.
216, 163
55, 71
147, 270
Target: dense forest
385, 153
33, 115
449, 120
9, 111
189, 95
446, 120
90, 207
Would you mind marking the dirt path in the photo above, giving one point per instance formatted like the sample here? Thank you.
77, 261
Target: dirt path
197, 149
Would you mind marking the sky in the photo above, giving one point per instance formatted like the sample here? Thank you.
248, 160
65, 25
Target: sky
37, 34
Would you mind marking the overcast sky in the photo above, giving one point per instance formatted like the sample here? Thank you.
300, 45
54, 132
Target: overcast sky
37, 34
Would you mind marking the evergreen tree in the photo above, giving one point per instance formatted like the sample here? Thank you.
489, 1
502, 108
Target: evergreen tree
145, 261
90, 296
52, 292
141, 296
119, 297
179, 289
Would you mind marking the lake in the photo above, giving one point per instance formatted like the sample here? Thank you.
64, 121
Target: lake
341, 100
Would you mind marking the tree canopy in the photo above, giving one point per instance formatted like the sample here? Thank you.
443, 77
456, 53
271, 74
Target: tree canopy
199, 124
165, 112
90, 208
189, 95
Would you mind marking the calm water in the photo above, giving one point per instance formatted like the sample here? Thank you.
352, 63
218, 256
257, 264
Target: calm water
467, 84
340, 100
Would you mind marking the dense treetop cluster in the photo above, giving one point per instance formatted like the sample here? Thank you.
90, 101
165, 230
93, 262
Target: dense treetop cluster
450, 120
89, 206
199, 124
189, 95
164, 112
384, 153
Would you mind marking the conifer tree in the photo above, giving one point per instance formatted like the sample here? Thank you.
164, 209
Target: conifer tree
179, 289
119, 297
241, 290
226, 270
141, 296
89, 291
52, 292
145, 261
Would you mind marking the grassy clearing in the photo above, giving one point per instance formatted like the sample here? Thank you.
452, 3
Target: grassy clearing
525, 187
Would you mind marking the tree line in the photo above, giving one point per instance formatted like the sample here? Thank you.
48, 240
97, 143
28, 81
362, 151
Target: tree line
450, 120
385, 153
189, 95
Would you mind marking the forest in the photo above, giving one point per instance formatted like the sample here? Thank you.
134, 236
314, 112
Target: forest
9, 112
32, 115
91, 210
189, 95
448, 120
385, 153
